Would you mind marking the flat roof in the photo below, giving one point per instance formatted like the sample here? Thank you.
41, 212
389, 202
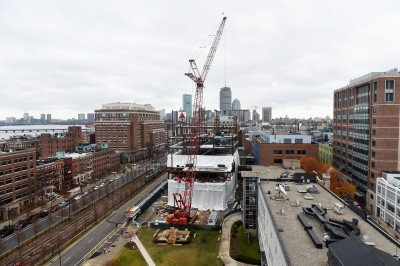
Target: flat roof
296, 241
269, 172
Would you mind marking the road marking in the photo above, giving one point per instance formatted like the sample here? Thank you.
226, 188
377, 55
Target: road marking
67, 259
108, 225
90, 240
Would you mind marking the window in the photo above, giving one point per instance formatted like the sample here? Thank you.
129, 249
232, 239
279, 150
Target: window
299, 152
374, 121
373, 143
373, 132
372, 175
390, 207
9, 190
389, 90
303, 152
375, 92
371, 186
371, 196
373, 154
374, 110
373, 164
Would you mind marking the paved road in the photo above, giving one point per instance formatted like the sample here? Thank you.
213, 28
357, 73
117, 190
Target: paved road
75, 254
11, 242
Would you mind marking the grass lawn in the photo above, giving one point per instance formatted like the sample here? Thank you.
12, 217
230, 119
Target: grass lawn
127, 256
241, 250
190, 254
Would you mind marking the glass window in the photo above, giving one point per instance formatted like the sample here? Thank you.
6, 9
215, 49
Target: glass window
389, 90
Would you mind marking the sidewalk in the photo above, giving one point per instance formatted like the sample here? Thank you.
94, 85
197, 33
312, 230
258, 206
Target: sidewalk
226, 241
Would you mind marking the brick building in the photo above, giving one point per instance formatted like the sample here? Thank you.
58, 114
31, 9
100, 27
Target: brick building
17, 180
104, 161
366, 130
129, 128
50, 175
51, 144
273, 149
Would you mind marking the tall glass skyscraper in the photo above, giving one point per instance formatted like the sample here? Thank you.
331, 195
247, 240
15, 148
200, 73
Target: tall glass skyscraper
225, 99
187, 104
236, 104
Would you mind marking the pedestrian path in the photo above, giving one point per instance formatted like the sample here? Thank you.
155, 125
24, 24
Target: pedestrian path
146, 255
226, 240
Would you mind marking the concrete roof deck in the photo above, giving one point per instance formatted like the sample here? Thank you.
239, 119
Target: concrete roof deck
269, 172
298, 244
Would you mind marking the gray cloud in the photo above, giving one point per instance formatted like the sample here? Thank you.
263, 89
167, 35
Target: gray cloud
68, 58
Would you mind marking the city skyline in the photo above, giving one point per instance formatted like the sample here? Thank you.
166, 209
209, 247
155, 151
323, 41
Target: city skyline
60, 60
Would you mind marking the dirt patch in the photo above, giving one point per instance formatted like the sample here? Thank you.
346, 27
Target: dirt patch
138, 235
131, 245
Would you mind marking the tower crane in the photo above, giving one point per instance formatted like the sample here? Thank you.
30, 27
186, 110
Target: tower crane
183, 203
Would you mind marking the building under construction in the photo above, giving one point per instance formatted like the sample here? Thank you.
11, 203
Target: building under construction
217, 162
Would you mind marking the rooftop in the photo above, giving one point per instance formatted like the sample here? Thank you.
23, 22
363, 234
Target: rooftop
270, 172
128, 106
298, 244
204, 162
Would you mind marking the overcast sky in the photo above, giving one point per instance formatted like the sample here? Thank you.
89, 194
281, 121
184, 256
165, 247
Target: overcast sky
70, 57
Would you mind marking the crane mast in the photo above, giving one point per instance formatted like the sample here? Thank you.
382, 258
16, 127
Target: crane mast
184, 203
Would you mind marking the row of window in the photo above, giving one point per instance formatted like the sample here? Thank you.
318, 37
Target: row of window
112, 130
16, 160
299, 152
363, 94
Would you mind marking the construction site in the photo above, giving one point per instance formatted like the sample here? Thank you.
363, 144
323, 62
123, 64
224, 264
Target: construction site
202, 161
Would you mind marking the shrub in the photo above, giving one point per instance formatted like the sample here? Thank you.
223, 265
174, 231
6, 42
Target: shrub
246, 259
233, 235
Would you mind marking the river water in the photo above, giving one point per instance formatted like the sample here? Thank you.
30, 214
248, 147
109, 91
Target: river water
36, 130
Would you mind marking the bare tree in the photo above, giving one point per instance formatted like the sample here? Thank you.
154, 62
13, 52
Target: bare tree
87, 222
19, 236
64, 211
59, 241
36, 225
95, 212
85, 201
2, 247
44, 249
75, 206
50, 219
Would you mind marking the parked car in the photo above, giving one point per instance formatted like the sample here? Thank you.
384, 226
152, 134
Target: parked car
54, 209
44, 214
86, 193
96, 187
102, 185
8, 232
23, 223
63, 203
22, 262
78, 197
355, 203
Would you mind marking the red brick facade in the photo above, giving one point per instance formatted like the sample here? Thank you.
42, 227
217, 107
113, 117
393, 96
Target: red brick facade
52, 144
129, 130
366, 131
17, 178
105, 161
275, 153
